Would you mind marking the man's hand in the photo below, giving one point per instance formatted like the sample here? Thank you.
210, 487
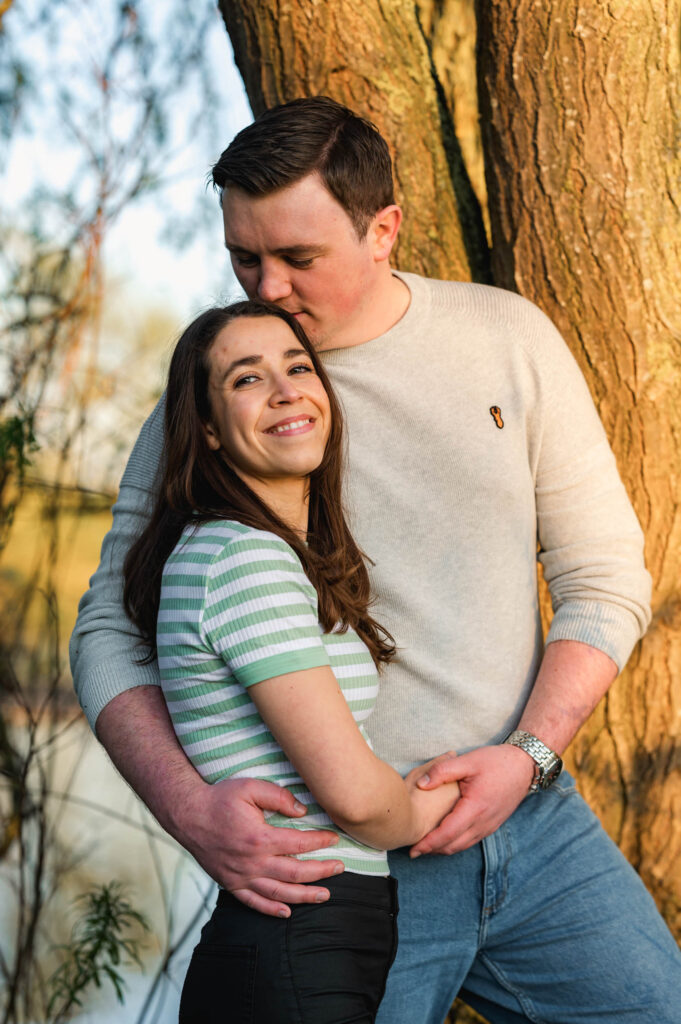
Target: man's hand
492, 780
223, 825
224, 829
571, 680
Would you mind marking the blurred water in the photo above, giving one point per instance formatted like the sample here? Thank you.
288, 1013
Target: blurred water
104, 833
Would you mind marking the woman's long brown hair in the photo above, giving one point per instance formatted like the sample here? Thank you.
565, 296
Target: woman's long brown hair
198, 484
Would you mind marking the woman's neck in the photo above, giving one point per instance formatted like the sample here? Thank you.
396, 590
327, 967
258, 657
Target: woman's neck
288, 498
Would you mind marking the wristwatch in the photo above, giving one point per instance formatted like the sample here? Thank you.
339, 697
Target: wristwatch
549, 765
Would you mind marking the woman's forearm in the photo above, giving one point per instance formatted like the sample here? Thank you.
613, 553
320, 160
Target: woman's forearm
391, 811
310, 718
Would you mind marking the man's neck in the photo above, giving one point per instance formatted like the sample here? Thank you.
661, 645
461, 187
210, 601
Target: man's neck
387, 306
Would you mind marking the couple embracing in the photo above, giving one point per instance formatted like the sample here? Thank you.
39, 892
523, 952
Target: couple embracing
470, 440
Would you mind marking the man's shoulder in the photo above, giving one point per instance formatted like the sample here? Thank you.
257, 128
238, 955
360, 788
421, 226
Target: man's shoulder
475, 310
145, 459
484, 301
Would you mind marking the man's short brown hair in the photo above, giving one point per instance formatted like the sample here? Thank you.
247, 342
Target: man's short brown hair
316, 134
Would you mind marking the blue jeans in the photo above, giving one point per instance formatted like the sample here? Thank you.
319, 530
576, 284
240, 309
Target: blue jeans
543, 921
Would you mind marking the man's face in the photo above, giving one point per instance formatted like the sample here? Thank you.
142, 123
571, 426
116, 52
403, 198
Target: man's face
298, 248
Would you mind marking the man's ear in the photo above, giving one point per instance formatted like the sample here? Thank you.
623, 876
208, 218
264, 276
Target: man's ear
211, 437
383, 231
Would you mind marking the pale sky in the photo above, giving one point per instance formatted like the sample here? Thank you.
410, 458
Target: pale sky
183, 279
147, 277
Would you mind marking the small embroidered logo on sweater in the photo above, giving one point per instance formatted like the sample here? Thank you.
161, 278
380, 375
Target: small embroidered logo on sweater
496, 416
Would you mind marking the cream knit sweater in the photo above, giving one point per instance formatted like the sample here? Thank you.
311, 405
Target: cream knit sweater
472, 439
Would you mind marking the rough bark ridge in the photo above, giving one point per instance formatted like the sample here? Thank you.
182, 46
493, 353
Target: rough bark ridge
451, 30
581, 125
372, 56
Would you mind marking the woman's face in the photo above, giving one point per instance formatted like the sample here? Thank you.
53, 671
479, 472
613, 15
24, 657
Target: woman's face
270, 412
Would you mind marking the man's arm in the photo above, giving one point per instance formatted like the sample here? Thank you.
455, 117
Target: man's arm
591, 549
222, 826
106, 657
494, 780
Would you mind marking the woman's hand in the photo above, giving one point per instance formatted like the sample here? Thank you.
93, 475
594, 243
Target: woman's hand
494, 781
430, 812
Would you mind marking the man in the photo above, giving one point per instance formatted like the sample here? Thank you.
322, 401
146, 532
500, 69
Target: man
472, 434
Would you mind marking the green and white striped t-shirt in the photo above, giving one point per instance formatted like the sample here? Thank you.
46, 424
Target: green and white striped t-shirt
237, 608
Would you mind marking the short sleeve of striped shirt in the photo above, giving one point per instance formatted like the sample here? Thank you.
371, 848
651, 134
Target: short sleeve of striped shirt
260, 611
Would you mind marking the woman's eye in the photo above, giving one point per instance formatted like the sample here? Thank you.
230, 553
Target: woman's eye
302, 368
247, 379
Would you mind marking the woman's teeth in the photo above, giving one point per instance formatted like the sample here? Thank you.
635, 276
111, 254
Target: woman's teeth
290, 426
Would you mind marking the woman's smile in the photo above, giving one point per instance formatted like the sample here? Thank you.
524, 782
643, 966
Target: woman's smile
292, 426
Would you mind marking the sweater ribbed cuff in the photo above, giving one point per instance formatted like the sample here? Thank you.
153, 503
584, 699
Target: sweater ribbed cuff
102, 682
607, 627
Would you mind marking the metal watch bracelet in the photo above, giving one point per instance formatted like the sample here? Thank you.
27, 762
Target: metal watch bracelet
549, 764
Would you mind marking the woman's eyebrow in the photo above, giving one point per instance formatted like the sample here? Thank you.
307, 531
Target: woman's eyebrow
291, 353
244, 361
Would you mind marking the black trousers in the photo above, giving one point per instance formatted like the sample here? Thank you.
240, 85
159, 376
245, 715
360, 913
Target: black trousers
325, 964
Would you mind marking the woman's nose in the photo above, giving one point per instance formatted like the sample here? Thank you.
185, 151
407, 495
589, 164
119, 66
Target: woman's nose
284, 391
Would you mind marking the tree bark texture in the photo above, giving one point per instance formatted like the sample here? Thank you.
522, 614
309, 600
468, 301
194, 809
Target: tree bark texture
580, 111
372, 55
450, 28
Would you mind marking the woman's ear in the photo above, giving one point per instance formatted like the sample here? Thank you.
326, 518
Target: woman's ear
211, 437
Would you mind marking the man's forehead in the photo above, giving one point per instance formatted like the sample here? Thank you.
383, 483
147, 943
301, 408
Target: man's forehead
275, 239
299, 217
271, 234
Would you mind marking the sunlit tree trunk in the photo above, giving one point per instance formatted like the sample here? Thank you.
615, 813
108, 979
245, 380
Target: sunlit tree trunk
580, 112
449, 26
580, 129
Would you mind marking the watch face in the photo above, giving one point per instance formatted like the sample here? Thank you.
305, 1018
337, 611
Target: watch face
551, 774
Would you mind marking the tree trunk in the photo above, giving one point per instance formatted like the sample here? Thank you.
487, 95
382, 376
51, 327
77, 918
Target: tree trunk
580, 117
372, 55
450, 28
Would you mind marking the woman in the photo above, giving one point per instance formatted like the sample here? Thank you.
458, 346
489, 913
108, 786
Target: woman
250, 586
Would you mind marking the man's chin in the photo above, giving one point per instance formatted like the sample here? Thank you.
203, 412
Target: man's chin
316, 337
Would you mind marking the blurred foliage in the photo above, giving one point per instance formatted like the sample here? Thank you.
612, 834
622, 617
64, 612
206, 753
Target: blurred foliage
89, 94
17, 444
100, 945
98, 86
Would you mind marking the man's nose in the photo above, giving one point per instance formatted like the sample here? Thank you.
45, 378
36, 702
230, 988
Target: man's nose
274, 284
